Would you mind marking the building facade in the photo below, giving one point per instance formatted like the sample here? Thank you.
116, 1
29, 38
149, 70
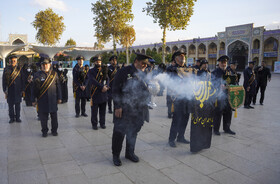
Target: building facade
242, 43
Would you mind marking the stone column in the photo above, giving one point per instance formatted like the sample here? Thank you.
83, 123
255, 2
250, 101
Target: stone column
196, 51
206, 45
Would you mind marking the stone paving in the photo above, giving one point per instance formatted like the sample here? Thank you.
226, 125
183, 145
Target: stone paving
80, 155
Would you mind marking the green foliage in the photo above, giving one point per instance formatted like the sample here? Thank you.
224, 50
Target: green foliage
127, 38
132, 57
170, 15
49, 25
70, 42
110, 18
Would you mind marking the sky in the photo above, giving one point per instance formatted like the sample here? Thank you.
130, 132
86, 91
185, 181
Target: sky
209, 18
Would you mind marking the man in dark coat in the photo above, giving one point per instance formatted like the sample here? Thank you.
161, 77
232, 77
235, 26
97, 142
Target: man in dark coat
28, 81
80, 82
63, 79
168, 91
112, 70
47, 94
197, 64
130, 95
181, 105
223, 108
97, 77
13, 87
262, 74
249, 84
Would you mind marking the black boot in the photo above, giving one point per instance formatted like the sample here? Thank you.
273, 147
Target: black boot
117, 160
132, 157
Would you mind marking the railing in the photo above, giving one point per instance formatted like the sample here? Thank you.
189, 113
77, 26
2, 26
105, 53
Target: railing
212, 55
222, 52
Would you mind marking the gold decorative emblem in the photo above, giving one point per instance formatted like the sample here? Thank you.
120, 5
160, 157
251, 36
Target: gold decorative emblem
203, 91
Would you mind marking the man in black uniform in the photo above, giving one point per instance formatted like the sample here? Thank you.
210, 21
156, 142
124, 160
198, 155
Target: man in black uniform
249, 84
130, 95
262, 74
181, 105
203, 70
168, 91
97, 76
231, 71
197, 65
112, 70
47, 94
80, 82
28, 81
223, 108
13, 87
63, 79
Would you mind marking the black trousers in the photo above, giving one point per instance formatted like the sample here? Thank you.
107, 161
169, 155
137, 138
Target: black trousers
77, 105
14, 111
226, 114
169, 104
102, 112
263, 88
179, 121
248, 98
110, 99
44, 121
122, 129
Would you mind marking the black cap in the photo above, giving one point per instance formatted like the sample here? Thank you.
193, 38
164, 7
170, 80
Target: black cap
252, 62
232, 62
113, 57
80, 58
143, 57
152, 61
12, 56
178, 53
203, 61
96, 58
223, 58
198, 60
45, 60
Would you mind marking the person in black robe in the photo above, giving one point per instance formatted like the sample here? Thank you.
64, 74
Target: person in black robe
63, 82
249, 84
202, 117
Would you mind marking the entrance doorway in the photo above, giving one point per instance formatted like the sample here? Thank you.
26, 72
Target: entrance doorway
238, 51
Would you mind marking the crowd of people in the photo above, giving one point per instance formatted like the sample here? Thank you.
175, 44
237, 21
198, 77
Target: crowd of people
125, 90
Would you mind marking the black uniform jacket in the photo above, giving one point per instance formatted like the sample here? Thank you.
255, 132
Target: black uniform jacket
130, 92
249, 79
48, 101
80, 78
97, 79
262, 75
16, 88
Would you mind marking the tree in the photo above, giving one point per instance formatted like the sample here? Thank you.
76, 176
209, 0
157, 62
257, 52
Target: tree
98, 45
49, 25
127, 38
110, 18
170, 15
70, 42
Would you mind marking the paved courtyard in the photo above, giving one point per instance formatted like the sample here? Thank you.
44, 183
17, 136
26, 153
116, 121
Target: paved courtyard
80, 155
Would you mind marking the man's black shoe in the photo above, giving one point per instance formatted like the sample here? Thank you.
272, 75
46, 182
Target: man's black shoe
230, 132
183, 140
172, 144
77, 115
54, 133
251, 107
116, 160
246, 107
110, 111
261, 103
84, 114
11, 121
132, 157
18, 120
45, 135
94, 127
103, 126
217, 133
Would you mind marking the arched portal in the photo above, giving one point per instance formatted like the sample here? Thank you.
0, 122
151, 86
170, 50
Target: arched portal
238, 51
174, 49
18, 42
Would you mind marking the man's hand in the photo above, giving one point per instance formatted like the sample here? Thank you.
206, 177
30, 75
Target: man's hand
29, 80
248, 88
105, 88
59, 101
34, 104
118, 113
83, 88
